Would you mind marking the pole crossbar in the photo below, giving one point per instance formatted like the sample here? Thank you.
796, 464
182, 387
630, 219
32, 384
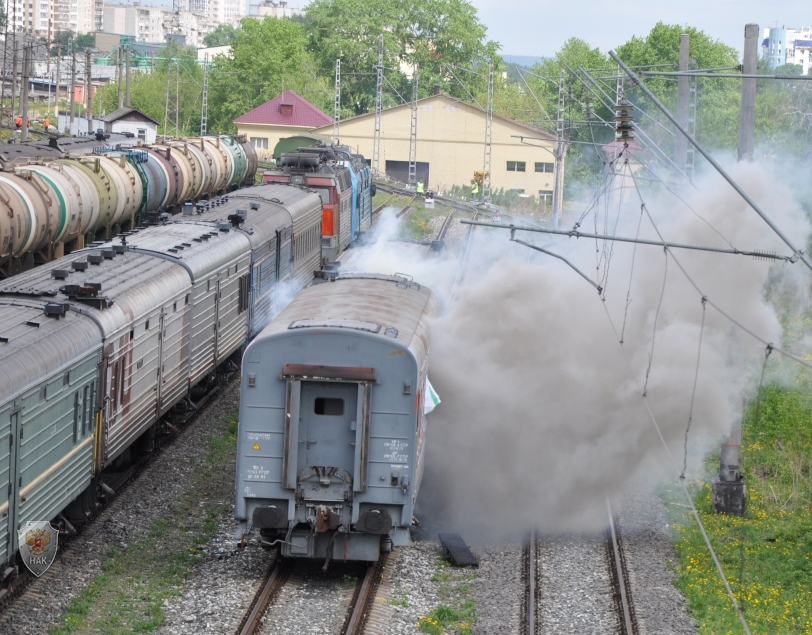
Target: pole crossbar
554, 255
724, 75
797, 253
639, 241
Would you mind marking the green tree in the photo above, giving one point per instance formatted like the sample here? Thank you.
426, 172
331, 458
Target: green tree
268, 57
444, 37
148, 92
221, 36
718, 100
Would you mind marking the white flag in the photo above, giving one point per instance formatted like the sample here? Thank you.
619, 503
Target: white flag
431, 400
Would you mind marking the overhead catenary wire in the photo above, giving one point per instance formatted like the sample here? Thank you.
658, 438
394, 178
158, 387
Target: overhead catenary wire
797, 253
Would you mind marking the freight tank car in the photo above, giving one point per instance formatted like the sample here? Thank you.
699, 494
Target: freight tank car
96, 348
332, 425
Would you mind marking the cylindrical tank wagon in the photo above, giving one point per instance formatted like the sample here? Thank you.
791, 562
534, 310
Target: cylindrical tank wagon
52, 206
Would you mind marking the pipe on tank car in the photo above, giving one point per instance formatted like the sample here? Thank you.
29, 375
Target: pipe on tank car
223, 161
70, 206
204, 161
108, 196
88, 194
252, 162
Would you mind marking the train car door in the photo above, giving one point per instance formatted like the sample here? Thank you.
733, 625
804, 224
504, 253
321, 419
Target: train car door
9, 435
327, 418
284, 254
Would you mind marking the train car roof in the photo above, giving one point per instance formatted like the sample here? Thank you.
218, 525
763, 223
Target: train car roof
198, 247
277, 205
363, 302
59, 147
130, 285
34, 346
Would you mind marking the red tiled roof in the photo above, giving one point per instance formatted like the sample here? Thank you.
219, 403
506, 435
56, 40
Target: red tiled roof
271, 112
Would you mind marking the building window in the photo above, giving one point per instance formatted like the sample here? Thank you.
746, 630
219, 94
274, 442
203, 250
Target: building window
260, 142
142, 134
516, 166
545, 167
546, 197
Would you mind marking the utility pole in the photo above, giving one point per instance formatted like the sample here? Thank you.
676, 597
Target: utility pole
376, 137
691, 151
683, 101
119, 57
88, 91
204, 115
14, 75
559, 152
486, 166
58, 82
747, 115
127, 77
24, 91
72, 87
413, 133
337, 106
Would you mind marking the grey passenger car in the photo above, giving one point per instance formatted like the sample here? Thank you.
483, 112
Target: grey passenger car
332, 419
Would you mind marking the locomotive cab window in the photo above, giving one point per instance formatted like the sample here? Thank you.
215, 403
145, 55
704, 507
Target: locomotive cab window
329, 406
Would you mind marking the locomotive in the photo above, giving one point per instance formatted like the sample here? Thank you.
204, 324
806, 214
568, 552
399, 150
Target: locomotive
98, 346
342, 179
54, 202
333, 419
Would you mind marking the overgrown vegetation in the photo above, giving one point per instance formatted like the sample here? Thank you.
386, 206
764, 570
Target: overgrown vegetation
129, 595
767, 555
457, 611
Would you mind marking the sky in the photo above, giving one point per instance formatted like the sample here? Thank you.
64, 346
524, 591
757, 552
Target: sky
540, 27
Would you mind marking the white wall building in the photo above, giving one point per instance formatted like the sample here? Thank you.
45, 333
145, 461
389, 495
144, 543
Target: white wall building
152, 24
31, 16
787, 46
275, 9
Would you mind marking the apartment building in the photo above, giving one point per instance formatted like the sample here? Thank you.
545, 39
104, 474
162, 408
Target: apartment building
153, 24
787, 46
32, 16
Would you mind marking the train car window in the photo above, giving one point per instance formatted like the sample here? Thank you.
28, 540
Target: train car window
43, 393
324, 192
329, 406
86, 410
132, 334
121, 376
66, 379
146, 325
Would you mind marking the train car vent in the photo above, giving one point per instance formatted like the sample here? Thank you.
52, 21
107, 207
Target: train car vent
391, 331
95, 259
55, 309
60, 274
223, 226
254, 205
204, 237
252, 380
108, 254
407, 388
119, 249
79, 265
186, 244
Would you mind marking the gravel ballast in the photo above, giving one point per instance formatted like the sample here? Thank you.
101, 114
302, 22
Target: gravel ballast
132, 514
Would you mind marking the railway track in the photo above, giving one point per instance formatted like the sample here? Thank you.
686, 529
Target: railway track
532, 622
282, 572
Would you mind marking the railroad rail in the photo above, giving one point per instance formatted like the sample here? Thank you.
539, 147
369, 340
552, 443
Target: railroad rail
178, 419
280, 571
621, 587
530, 623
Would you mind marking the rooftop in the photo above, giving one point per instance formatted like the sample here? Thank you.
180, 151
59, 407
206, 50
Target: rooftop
288, 109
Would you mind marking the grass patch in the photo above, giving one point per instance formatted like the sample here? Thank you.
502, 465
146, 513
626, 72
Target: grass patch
403, 601
417, 226
457, 613
767, 555
129, 595
448, 619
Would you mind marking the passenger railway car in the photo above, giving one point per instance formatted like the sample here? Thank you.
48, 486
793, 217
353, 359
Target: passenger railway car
52, 203
332, 425
97, 346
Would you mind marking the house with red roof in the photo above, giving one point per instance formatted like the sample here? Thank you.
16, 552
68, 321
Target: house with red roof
287, 115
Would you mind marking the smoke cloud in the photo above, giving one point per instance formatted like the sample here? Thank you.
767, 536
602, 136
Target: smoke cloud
541, 416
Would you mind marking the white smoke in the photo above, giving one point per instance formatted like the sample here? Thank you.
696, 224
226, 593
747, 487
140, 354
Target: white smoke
541, 417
